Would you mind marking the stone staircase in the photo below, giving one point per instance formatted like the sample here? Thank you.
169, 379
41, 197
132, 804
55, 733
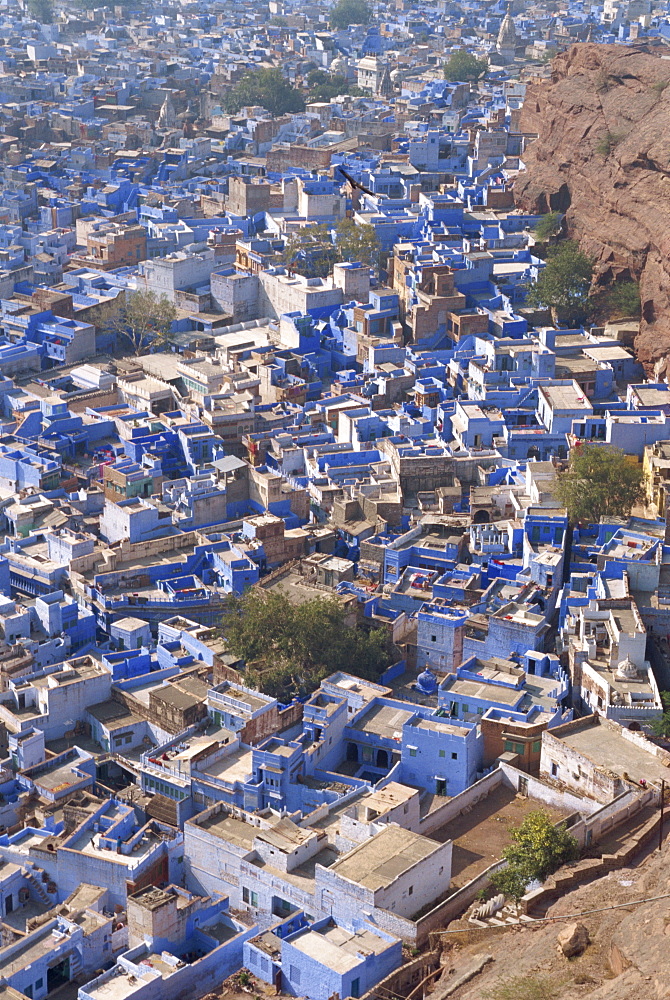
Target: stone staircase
34, 878
495, 913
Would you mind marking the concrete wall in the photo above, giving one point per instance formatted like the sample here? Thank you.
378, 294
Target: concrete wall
406, 895
191, 980
305, 974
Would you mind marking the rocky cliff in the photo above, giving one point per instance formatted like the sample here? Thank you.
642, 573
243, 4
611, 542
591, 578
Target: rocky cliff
627, 958
603, 157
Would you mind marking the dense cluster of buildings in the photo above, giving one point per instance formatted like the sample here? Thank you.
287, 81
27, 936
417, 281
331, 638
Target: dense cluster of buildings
388, 433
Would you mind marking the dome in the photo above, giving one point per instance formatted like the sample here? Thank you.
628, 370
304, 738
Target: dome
426, 682
627, 670
507, 34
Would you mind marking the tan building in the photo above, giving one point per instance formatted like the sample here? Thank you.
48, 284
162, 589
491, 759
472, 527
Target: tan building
111, 245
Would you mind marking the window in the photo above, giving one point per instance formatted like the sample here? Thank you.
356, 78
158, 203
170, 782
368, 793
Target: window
466, 708
38, 984
410, 890
509, 746
412, 751
519, 747
454, 756
537, 745
442, 753
433, 638
295, 974
554, 770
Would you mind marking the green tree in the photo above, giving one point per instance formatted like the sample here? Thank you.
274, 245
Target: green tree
323, 87
549, 225
265, 87
537, 850
608, 143
622, 300
346, 12
511, 881
600, 482
310, 251
661, 727
41, 10
358, 242
462, 66
301, 644
144, 321
564, 284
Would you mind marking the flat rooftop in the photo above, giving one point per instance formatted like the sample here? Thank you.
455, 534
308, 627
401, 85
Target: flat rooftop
384, 720
285, 835
379, 861
338, 949
232, 830
236, 766
58, 779
608, 749
565, 397
484, 690
88, 841
35, 948
382, 800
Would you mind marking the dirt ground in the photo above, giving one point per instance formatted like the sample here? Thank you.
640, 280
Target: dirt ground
480, 835
628, 957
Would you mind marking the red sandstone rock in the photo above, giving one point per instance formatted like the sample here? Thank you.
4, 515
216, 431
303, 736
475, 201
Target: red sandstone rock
617, 205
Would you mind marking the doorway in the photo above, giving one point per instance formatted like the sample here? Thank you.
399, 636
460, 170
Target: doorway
58, 974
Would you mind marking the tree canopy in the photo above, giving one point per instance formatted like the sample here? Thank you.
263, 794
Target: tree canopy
312, 250
549, 225
564, 284
145, 321
323, 87
661, 726
290, 648
358, 242
622, 300
41, 10
346, 12
265, 87
537, 850
462, 66
600, 482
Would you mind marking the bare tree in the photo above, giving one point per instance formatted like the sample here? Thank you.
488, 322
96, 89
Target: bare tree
145, 321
